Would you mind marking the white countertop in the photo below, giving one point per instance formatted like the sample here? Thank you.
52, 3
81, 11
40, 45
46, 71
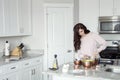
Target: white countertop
5, 60
83, 74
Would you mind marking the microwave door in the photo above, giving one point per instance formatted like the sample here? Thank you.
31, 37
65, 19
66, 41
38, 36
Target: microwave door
107, 26
117, 27
110, 27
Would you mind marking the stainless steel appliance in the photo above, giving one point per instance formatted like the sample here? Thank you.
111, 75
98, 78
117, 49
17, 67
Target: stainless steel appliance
111, 55
109, 24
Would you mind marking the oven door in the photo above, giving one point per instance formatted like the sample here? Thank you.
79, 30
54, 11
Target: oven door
110, 53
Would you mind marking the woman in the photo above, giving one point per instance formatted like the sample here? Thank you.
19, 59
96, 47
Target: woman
86, 42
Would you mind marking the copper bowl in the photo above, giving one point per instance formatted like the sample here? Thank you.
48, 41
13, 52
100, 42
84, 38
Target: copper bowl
77, 62
87, 64
90, 63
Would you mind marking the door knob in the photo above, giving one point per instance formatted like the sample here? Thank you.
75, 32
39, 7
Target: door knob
69, 51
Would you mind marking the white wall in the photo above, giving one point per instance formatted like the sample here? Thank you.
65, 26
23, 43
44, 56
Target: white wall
76, 11
36, 41
111, 36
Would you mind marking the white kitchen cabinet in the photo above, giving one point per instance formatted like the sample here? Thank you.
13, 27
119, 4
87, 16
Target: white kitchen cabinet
32, 69
32, 73
109, 7
15, 17
26, 74
37, 72
11, 76
29, 69
117, 7
10, 72
24, 14
10, 17
88, 14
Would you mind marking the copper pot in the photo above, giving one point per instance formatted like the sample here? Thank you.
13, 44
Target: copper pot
87, 64
77, 64
94, 63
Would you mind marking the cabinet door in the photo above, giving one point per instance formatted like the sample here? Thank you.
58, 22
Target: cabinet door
38, 72
11, 76
24, 10
106, 7
26, 74
117, 7
10, 17
88, 14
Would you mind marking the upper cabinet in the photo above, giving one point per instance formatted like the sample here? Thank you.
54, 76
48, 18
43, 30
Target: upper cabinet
89, 13
15, 17
24, 13
109, 7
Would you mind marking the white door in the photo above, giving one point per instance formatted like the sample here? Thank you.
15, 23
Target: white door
59, 20
1, 17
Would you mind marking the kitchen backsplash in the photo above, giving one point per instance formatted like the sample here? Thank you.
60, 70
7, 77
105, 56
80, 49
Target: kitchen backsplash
14, 41
111, 36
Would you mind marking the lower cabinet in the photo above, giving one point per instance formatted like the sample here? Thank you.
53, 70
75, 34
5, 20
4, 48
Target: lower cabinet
11, 76
26, 74
29, 69
32, 73
37, 73
32, 69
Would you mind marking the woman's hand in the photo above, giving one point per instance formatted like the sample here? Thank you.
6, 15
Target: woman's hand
95, 55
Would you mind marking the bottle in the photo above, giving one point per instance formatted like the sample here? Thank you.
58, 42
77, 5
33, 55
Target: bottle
7, 45
55, 62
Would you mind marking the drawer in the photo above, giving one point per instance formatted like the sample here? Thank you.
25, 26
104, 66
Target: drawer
26, 63
11, 67
36, 61
31, 62
2, 70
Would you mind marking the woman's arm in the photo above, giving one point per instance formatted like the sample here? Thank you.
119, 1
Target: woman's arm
101, 42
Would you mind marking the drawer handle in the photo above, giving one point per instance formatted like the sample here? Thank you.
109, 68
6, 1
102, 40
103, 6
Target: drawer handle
38, 60
13, 67
27, 64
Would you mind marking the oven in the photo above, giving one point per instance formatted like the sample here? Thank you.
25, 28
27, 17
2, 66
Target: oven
111, 55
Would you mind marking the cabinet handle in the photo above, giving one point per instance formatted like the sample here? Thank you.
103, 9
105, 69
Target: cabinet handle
34, 71
69, 51
27, 64
38, 60
13, 67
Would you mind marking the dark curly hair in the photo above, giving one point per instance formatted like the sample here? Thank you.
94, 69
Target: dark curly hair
77, 37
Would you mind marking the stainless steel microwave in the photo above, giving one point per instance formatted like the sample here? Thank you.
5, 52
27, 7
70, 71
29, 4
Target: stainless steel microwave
109, 24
